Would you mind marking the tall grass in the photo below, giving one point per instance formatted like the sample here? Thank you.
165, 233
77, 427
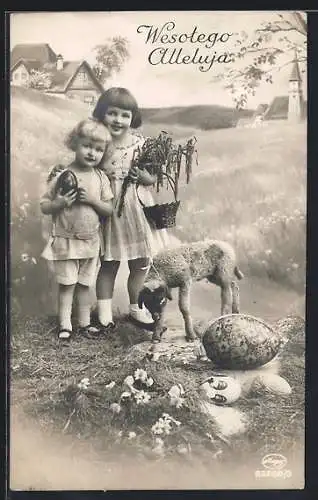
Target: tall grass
250, 190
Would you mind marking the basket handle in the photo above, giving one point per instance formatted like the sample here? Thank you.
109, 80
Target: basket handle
171, 183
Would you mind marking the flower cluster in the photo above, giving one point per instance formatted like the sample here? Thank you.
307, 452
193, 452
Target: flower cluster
282, 219
84, 383
26, 258
139, 394
164, 425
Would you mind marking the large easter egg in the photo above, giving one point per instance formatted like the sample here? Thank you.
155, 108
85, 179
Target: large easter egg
66, 182
240, 341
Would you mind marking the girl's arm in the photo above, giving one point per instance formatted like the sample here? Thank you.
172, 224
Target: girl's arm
104, 204
52, 206
145, 178
103, 208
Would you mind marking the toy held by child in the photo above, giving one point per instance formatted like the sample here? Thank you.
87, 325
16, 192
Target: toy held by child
127, 234
74, 246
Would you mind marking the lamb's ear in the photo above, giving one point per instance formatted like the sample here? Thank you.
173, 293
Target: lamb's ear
141, 298
168, 293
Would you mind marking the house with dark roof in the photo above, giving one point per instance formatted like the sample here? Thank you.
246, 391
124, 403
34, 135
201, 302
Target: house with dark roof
67, 79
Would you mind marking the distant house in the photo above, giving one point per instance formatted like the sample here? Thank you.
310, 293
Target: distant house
68, 79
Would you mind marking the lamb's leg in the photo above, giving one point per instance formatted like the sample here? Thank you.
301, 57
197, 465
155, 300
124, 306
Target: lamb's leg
184, 306
226, 298
159, 328
236, 298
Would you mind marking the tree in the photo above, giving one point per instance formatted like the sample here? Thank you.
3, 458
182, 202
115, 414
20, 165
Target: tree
257, 57
110, 57
39, 79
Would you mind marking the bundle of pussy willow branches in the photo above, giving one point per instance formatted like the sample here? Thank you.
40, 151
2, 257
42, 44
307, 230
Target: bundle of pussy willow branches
163, 159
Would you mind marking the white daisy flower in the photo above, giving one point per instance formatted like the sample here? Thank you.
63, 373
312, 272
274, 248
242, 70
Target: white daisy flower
24, 257
141, 375
115, 408
157, 428
84, 383
142, 397
129, 380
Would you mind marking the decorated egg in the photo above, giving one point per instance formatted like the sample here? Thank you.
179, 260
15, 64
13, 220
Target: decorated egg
240, 341
220, 389
272, 383
66, 182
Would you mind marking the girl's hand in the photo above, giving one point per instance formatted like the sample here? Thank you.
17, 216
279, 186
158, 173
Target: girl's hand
65, 200
111, 173
133, 174
84, 197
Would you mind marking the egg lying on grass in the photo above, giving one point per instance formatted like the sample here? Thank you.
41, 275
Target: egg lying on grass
240, 341
271, 383
220, 389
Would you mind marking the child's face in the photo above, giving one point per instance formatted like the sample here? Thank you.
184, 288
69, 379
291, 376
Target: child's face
89, 152
118, 121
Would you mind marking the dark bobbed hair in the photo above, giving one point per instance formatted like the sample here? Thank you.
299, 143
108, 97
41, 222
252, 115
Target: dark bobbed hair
118, 97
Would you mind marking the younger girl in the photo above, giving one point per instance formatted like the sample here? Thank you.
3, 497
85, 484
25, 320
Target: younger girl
126, 237
74, 245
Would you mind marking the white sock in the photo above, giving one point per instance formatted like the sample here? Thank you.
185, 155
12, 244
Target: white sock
133, 307
105, 314
65, 313
142, 315
84, 316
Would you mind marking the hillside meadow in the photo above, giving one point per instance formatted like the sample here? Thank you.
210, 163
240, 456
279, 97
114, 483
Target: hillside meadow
249, 188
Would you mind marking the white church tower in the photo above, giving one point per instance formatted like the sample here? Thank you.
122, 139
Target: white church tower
295, 98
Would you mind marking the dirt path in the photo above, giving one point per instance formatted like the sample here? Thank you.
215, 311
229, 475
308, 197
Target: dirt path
39, 461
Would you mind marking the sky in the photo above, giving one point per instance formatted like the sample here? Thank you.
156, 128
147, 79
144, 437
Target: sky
75, 34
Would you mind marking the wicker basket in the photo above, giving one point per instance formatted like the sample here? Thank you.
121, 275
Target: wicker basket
162, 216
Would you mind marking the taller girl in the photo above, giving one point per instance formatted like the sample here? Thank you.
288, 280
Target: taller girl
128, 237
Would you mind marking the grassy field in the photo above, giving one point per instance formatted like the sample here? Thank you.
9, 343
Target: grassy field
249, 188
202, 117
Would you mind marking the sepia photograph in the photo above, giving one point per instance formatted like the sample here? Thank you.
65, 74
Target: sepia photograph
162, 158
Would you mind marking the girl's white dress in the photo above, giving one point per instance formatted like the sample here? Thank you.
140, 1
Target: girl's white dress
129, 236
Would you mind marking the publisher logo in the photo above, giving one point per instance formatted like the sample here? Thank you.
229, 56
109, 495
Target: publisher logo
274, 461
274, 467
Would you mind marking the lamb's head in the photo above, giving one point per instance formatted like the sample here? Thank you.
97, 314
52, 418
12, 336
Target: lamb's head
154, 295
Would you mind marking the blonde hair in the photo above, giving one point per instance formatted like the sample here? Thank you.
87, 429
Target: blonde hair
90, 128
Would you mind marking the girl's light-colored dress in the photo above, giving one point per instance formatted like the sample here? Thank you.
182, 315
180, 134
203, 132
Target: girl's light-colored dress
129, 236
